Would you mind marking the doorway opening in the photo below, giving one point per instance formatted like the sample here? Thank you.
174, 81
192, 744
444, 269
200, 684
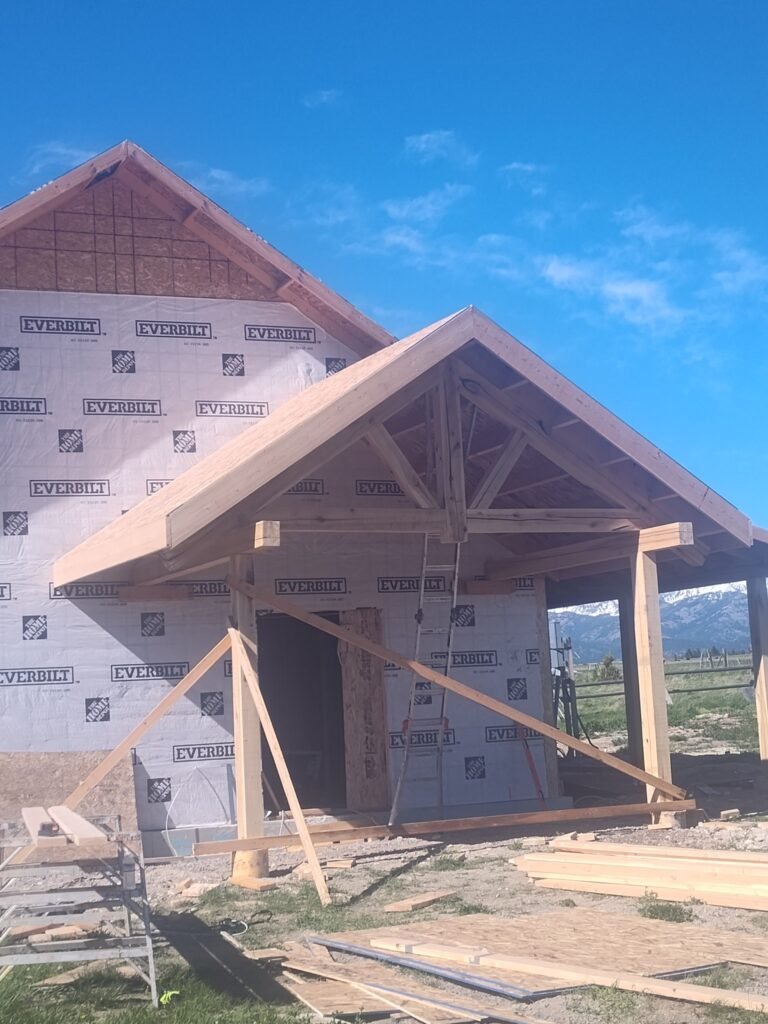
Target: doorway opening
300, 677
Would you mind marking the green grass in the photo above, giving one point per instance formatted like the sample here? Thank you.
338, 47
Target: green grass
649, 905
104, 998
449, 862
723, 976
610, 1006
723, 716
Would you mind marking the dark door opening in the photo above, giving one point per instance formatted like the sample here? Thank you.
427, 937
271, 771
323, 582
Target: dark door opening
300, 677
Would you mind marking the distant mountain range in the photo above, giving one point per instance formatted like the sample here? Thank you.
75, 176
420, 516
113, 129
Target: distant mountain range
699, 618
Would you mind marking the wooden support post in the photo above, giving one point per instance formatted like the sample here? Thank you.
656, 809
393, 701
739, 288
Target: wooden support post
448, 683
252, 682
452, 449
757, 601
629, 672
247, 866
650, 668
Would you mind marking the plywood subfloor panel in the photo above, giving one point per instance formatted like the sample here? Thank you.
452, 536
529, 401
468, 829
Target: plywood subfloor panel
579, 936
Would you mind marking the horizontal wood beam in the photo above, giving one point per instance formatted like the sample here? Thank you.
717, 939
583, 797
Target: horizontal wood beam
657, 538
324, 834
349, 636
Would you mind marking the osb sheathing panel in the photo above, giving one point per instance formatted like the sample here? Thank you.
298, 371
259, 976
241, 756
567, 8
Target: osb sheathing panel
36, 779
111, 240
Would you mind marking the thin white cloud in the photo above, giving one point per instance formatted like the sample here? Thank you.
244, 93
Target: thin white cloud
217, 181
57, 156
440, 145
638, 300
321, 98
527, 175
427, 208
742, 269
645, 224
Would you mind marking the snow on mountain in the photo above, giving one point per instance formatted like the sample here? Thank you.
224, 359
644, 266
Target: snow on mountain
702, 617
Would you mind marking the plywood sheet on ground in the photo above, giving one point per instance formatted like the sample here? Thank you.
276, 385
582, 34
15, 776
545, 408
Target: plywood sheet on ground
580, 936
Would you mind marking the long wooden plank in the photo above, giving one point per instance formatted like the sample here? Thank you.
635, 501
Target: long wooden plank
664, 892
603, 849
475, 696
75, 825
757, 601
578, 975
270, 735
34, 818
103, 768
683, 873
424, 899
324, 834
650, 667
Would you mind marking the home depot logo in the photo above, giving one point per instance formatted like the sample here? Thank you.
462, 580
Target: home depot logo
262, 332
153, 623
507, 733
139, 672
464, 615
311, 485
71, 441
420, 696
68, 488
15, 524
123, 360
9, 358
212, 703
239, 410
23, 407
172, 329
159, 790
184, 442
97, 709
5, 591
333, 364
517, 688
36, 676
122, 407
378, 489
156, 485
34, 627
410, 584
467, 659
204, 752
83, 591
421, 738
474, 767
59, 325
233, 364
311, 586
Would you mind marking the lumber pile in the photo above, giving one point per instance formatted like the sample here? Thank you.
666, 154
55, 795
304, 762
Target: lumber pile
721, 878
60, 826
529, 958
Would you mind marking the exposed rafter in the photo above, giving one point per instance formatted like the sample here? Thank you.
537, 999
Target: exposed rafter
496, 474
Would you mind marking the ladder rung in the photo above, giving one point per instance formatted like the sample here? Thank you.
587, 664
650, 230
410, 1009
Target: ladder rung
428, 631
447, 599
439, 568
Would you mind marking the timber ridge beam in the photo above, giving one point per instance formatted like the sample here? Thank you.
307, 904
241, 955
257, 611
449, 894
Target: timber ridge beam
347, 635
656, 538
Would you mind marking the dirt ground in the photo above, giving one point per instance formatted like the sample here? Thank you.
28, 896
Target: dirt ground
484, 880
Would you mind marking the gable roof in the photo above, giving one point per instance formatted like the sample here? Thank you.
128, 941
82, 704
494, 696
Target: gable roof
178, 199
560, 422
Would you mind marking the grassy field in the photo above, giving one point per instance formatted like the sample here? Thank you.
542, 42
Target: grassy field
699, 721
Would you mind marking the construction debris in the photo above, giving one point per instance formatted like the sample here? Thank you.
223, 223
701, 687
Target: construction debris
426, 899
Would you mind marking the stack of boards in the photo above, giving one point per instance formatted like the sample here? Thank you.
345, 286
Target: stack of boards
721, 878
60, 826
501, 964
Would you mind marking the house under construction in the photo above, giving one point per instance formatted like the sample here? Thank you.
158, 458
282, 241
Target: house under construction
197, 435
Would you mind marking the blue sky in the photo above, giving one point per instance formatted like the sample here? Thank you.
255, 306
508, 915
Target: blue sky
590, 174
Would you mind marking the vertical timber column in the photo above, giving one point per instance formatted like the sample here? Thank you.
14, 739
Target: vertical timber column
247, 865
650, 668
629, 672
757, 602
